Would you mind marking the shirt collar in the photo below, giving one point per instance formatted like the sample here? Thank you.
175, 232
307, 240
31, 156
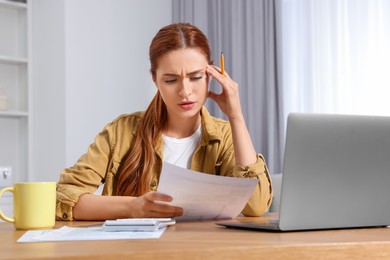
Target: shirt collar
209, 127
210, 130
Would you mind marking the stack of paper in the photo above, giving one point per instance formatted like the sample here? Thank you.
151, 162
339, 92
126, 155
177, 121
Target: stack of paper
85, 233
137, 224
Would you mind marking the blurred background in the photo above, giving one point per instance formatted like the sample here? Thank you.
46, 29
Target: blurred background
69, 67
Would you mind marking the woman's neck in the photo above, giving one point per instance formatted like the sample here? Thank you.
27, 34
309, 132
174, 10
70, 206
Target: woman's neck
182, 128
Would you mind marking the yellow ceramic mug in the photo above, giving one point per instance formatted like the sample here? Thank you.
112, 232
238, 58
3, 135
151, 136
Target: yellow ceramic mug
34, 205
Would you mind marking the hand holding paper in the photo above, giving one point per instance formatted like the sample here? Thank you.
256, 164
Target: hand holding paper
205, 196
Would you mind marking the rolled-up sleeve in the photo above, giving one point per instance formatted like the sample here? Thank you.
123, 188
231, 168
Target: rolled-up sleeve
261, 199
85, 176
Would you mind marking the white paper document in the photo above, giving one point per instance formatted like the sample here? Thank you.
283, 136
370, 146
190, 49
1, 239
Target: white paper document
84, 233
205, 196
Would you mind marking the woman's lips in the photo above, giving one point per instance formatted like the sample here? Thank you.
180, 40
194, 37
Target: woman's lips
187, 105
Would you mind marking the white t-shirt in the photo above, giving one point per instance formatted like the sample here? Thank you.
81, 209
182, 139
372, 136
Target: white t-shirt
179, 151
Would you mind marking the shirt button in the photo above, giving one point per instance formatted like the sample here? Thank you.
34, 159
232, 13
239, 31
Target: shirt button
64, 216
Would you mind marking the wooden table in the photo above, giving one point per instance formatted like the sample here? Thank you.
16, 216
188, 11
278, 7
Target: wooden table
205, 240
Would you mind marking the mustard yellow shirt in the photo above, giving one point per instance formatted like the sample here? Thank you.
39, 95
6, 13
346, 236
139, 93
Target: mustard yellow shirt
215, 155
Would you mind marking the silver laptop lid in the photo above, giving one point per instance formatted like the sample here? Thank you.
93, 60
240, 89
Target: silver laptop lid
336, 172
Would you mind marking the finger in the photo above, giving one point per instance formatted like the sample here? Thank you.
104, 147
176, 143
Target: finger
216, 72
149, 207
156, 196
156, 202
167, 209
218, 69
224, 80
162, 209
161, 215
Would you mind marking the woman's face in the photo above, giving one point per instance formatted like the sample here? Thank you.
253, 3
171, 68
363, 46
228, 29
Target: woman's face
182, 81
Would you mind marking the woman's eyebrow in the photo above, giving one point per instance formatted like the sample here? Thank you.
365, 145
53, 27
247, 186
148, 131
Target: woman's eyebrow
188, 74
170, 75
195, 72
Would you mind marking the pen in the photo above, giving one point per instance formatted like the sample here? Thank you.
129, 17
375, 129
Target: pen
222, 64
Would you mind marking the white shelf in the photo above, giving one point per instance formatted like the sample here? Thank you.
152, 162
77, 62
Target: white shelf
15, 79
12, 60
13, 114
13, 5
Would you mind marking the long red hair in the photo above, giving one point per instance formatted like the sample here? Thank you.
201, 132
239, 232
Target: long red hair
135, 172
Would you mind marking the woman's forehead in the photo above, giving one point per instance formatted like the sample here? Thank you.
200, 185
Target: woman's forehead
187, 60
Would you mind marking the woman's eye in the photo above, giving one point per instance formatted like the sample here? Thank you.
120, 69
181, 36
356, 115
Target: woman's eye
196, 78
171, 81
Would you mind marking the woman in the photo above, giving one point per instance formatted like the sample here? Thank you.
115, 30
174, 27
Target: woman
127, 155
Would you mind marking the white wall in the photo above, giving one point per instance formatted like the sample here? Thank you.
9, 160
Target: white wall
48, 83
90, 65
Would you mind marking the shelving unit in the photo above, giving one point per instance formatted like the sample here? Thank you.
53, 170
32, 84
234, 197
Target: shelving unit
15, 80
12, 60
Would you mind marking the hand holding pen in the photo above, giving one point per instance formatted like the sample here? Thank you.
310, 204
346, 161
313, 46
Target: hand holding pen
228, 100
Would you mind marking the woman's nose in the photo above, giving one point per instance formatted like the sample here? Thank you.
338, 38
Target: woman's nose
185, 88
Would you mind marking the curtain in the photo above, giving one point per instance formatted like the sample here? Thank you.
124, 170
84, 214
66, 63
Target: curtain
248, 33
336, 56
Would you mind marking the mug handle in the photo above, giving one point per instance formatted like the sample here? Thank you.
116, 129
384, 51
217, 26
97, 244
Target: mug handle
2, 216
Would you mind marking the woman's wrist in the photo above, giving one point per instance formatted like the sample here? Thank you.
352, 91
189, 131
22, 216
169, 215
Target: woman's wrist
236, 117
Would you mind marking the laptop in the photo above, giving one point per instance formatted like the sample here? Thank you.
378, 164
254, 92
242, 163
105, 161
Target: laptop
336, 174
